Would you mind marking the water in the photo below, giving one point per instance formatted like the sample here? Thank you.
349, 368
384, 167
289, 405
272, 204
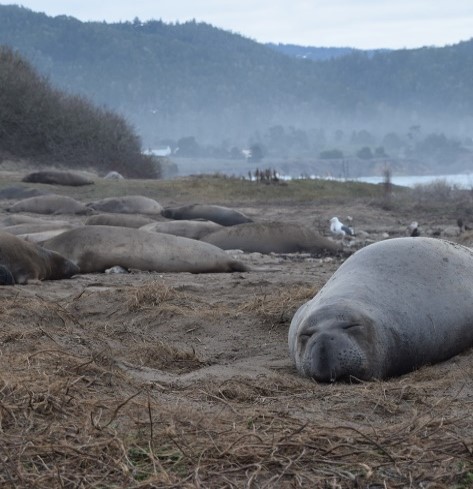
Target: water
464, 180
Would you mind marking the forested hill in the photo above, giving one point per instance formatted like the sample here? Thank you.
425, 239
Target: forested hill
311, 52
173, 80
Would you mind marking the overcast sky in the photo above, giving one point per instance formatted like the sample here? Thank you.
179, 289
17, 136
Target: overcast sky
356, 23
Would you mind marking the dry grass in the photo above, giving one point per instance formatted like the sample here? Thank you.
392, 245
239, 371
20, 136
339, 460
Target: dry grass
72, 417
66, 433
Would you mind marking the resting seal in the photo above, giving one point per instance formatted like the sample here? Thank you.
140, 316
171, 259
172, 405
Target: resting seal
272, 237
57, 177
390, 308
50, 204
188, 229
216, 213
124, 220
128, 204
97, 248
21, 260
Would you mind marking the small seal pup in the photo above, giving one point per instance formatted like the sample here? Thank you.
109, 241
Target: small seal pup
21, 261
390, 308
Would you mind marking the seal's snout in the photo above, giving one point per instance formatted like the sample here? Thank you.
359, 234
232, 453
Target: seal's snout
324, 359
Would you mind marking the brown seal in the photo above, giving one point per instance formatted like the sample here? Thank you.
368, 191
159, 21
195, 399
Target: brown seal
272, 237
50, 204
23, 261
127, 204
187, 229
57, 177
216, 213
97, 248
124, 220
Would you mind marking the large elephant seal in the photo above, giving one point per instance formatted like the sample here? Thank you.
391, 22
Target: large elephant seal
268, 237
216, 213
390, 308
97, 248
17, 192
57, 177
50, 204
187, 229
124, 220
38, 227
127, 204
22, 261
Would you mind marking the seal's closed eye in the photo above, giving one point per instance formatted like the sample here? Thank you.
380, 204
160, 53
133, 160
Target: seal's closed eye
351, 325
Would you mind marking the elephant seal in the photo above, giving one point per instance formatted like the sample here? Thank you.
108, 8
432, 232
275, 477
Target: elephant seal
127, 204
13, 219
97, 248
390, 308
23, 261
38, 227
272, 237
50, 204
16, 192
187, 229
6, 278
123, 220
57, 177
41, 236
216, 213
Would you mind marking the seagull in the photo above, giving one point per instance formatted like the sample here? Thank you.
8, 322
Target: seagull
413, 229
338, 228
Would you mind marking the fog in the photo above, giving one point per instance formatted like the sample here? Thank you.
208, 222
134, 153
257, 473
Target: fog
299, 143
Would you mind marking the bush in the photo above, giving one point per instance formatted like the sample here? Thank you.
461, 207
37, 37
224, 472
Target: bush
51, 127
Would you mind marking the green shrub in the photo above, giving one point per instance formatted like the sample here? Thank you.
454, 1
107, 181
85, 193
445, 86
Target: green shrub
50, 127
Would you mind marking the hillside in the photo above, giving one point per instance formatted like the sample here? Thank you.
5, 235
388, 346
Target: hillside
193, 79
315, 53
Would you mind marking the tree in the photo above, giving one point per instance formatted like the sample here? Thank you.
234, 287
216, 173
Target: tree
256, 153
365, 153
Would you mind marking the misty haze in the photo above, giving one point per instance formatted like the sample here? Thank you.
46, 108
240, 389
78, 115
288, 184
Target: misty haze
214, 101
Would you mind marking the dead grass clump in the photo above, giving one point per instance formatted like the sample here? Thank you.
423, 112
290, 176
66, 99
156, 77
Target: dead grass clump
278, 307
162, 356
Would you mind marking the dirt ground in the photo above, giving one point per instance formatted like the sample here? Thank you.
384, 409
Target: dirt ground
177, 380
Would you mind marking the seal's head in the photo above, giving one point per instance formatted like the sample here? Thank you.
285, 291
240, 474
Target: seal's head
59, 267
334, 342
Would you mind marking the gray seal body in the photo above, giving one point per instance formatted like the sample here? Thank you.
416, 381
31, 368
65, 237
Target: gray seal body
390, 308
216, 213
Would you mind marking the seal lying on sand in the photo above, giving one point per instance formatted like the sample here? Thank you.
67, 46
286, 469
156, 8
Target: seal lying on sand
50, 204
57, 177
124, 220
38, 227
16, 192
268, 237
390, 308
97, 248
23, 261
216, 213
187, 229
128, 204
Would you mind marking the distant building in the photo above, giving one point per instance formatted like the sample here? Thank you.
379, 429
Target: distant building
166, 151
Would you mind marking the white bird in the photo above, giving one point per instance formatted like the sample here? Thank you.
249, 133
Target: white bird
338, 228
413, 229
